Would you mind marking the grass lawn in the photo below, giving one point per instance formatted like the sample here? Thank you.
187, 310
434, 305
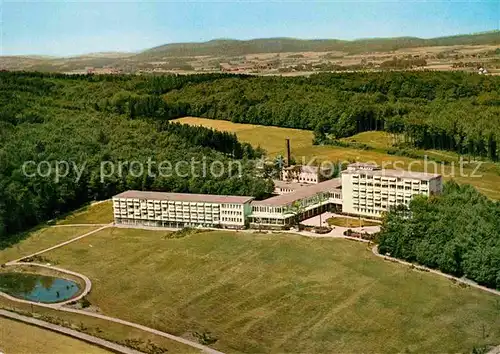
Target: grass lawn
17, 337
110, 331
272, 139
279, 293
350, 222
99, 213
41, 239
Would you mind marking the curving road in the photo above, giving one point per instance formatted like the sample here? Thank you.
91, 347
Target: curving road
88, 286
437, 272
69, 332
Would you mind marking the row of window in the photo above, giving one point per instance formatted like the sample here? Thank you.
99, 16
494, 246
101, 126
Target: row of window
231, 206
232, 219
369, 211
157, 206
301, 179
231, 212
170, 202
414, 191
131, 212
379, 193
396, 179
378, 185
166, 217
266, 209
379, 203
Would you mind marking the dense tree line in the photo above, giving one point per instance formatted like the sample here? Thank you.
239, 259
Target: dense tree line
439, 110
88, 118
403, 63
52, 118
457, 232
221, 141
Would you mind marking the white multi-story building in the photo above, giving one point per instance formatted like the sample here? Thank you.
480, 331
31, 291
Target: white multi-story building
363, 189
181, 209
368, 190
306, 174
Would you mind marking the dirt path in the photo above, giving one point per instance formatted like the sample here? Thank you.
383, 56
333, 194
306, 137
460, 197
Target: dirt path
437, 272
69, 332
495, 350
88, 286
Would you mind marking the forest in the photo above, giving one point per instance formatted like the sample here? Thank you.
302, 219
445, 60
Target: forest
452, 111
457, 232
94, 118
53, 118
431, 110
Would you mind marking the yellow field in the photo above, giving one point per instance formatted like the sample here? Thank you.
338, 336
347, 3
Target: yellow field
16, 337
272, 139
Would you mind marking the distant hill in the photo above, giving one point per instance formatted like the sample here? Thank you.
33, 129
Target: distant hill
233, 47
181, 57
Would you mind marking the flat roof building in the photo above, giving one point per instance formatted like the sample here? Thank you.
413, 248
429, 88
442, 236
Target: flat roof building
279, 211
362, 189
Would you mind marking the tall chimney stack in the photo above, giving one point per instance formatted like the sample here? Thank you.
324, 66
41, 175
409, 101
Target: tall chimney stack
288, 153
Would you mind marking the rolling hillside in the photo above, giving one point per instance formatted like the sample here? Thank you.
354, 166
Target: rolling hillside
230, 47
279, 55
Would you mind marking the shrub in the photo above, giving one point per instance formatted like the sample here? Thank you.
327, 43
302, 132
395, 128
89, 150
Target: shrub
205, 338
186, 231
85, 303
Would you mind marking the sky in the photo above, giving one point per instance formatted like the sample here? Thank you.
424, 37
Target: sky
64, 28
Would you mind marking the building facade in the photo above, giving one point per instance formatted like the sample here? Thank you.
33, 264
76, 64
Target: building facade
369, 191
281, 211
181, 210
363, 189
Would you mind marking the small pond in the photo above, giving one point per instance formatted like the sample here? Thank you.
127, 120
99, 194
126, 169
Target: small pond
38, 288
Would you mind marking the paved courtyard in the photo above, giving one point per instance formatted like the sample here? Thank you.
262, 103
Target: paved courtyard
337, 230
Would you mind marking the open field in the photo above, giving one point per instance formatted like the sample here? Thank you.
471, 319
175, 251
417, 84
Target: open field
279, 57
99, 213
20, 338
279, 293
272, 139
50, 236
350, 222
41, 239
